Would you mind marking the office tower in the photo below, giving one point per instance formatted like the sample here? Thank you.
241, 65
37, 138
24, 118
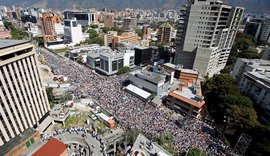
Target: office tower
72, 31
83, 18
24, 104
48, 21
205, 35
108, 20
129, 24
165, 33
253, 27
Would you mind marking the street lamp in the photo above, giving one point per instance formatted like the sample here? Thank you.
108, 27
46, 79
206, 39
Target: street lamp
226, 121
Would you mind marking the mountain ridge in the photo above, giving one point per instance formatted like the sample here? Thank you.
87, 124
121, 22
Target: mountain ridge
253, 6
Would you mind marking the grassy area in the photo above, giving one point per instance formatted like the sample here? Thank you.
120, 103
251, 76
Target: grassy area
60, 50
76, 121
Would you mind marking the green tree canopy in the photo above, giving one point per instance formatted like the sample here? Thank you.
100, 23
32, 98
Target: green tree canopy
105, 29
92, 33
94, 26
196, 152
123, 70
139, 32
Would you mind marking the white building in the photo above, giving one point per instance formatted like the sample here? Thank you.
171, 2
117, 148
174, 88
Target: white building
111, 62
24, 103
83, 18
72, 31
253, 77
59, 28
205, 35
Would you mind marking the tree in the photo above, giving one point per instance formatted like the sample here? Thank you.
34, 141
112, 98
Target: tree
80, 59
243, 117
50, 96
166, 141
8, 25
139, 32
119, 30
92, 33
196, 152
19, 34
39, 40
123, 70
94, 26
96, 40
105, 29
249, 54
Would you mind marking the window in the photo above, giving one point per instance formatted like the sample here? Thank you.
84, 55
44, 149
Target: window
114, 65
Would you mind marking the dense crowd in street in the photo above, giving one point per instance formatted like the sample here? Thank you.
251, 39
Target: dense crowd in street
83, 132
132, 112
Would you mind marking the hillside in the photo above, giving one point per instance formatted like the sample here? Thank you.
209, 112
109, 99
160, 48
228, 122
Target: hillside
257, 6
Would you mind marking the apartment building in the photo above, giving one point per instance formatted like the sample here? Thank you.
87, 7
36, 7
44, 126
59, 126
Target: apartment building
48, 23
165, 33
205, 35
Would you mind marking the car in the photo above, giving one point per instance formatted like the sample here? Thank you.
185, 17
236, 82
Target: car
93, 117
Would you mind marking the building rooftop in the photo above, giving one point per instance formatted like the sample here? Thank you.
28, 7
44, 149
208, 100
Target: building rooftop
17, 140
92, 48
10, 43
53, 147
262, 77
191, 94
165, 25
147, 148
150, 76
113, 54
138, 91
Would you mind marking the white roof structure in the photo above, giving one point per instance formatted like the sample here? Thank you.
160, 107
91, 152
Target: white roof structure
103, 116
138, 91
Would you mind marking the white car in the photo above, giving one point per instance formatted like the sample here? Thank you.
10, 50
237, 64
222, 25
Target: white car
93, 117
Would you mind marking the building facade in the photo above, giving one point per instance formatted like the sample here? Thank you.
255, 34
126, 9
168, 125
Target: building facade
24, 102
48, 22
253, 77
205, 35
83, 18
130, 24
149, 81
72, 31
187, 98
165, 33
146, 55
111, 62
127, 37
108, 20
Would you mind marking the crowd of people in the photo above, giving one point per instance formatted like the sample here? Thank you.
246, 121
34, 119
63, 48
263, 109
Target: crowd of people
83, 132
132, 112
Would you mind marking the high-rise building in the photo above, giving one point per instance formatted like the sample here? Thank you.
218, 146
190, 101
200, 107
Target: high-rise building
48, 21
24, 104
165, 33
265, 30
253, 27
129, 24
108, 20
72, 31
83, 18
205, 35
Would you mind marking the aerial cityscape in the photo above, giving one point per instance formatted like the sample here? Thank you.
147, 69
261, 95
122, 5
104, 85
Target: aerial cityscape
135, 78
